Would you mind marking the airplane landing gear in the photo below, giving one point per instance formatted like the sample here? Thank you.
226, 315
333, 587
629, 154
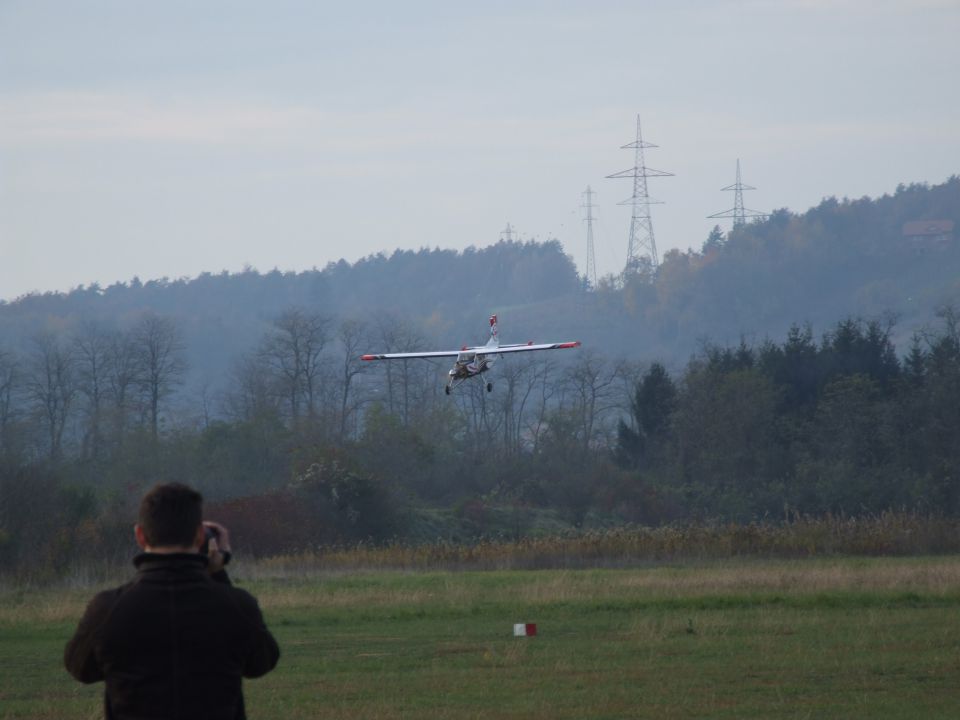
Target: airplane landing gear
489, 387
446, 389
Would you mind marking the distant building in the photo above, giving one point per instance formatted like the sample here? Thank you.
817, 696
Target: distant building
929, 233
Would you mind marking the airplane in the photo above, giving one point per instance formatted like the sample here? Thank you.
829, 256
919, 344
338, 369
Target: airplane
472, 361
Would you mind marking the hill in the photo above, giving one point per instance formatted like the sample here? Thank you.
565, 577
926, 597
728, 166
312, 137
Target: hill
842, 258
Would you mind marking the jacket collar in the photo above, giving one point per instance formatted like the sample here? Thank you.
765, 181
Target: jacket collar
147, 561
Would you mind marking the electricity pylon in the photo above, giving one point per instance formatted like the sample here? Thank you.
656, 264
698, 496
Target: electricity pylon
738, 212
641, 241
591, 257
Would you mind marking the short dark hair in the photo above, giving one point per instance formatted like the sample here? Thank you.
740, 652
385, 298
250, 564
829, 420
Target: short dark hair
170, 514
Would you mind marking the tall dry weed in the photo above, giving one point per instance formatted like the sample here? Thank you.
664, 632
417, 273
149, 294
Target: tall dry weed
887, 534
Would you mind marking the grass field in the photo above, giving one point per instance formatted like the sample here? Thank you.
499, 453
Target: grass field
850, 638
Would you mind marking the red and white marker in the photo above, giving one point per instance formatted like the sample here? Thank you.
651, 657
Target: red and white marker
524, 629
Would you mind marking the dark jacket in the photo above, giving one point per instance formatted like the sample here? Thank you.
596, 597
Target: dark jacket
173, 643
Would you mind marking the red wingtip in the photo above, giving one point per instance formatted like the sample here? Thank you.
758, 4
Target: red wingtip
569, 344
368, 357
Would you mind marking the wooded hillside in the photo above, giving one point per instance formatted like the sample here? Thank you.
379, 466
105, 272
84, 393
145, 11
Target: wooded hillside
842, 258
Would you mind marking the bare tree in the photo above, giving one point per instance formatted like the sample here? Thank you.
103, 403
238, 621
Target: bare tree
160, 363
405, 378
629, 374
352, 335
122, 378
92, 350
515, 388
252, 391
205, 396
479, 413
51, 387
590, 384
293, 353
543, 397
9, 376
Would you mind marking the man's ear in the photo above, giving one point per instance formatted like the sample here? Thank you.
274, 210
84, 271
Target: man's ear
141, 538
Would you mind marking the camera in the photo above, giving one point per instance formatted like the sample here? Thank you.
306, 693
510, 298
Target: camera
209, 533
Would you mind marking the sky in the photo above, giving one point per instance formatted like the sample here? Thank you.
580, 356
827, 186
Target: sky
166, 139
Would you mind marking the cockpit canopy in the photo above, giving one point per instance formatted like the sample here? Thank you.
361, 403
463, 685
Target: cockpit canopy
466, 356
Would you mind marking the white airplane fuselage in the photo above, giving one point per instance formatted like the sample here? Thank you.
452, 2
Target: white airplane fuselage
471, 363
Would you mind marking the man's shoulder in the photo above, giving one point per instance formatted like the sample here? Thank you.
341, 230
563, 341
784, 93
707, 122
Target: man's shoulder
238, 597
102, 604
110, 596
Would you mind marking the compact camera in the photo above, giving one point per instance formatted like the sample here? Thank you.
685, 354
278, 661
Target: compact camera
209, 533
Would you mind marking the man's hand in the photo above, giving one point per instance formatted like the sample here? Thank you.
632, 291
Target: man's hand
219, 544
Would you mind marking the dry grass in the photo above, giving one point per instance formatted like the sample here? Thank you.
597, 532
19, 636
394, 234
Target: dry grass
928, 576
727, 559
887, 534
936, 576
42, 605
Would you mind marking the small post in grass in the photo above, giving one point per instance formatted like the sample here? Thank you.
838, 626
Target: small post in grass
524, 629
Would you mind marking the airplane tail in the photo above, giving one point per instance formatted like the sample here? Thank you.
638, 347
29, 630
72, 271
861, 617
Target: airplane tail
494, 340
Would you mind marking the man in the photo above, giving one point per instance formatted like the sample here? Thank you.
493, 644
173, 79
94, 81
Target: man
175, 642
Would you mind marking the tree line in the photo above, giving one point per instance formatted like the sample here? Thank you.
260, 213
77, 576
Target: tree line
843, 425
91, 417
307, 445
87, 390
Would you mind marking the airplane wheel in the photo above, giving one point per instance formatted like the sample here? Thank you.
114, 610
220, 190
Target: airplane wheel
489, 387
447, 389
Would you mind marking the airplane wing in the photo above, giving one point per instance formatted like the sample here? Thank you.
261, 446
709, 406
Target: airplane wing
531, 346
404, 356
480, 350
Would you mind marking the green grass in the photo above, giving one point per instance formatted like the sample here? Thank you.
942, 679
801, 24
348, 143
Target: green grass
854, 638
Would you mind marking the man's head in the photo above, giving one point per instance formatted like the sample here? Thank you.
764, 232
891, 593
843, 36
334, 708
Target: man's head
171, 516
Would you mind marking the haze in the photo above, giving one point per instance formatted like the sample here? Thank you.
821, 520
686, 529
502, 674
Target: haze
167, 139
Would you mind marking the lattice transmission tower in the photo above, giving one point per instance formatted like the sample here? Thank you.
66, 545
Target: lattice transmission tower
738, 212
591, 255
641, 242
507, 233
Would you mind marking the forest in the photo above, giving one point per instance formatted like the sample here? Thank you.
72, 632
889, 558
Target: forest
803, 365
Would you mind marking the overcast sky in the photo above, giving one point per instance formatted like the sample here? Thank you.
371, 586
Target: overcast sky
170, 138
